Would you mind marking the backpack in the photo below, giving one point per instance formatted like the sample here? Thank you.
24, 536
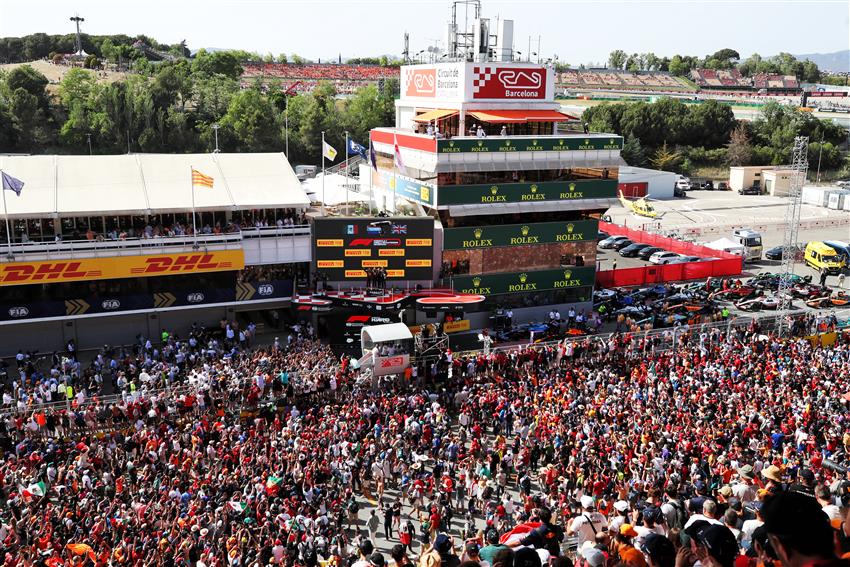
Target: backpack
353, 507
681, 516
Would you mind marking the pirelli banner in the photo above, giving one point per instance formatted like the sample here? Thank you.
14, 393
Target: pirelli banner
523, 282
526, 192
474, 237
58, 271
345, 248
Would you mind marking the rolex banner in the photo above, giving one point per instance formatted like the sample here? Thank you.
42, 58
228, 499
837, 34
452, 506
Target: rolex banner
541, 280
487, 193
474, 237
526, 144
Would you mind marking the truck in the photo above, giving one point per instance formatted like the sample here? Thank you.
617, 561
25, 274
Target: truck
751, 241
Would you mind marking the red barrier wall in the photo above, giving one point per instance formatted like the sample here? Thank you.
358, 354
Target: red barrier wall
726, 265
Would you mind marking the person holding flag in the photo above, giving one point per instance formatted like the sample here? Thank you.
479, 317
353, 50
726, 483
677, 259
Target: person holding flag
9, 184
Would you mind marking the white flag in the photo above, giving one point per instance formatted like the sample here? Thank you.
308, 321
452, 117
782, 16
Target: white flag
328, 152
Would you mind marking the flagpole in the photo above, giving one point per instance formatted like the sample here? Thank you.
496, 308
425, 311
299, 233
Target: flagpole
194, 224
396, 156
323, 173
347, 176
6, 216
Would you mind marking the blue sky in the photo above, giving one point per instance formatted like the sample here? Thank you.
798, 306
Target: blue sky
577, 31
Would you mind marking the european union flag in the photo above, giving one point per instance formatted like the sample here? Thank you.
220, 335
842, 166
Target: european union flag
12, 184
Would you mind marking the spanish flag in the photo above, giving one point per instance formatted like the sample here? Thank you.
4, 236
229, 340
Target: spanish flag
201, 180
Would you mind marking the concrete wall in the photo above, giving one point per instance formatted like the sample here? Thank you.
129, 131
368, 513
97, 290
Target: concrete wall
743, 177
777, 183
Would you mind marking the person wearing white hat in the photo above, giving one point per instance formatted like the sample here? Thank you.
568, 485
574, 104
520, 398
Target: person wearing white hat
621, 517
588, 523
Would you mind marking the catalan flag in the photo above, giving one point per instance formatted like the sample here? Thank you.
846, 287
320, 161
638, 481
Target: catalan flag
201, 180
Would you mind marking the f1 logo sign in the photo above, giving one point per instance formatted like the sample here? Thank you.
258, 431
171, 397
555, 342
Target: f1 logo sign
421, 83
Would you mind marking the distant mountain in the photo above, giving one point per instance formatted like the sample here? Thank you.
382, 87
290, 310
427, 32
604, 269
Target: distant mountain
833, 62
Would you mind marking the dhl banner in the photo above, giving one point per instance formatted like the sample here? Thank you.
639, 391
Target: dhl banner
57, 271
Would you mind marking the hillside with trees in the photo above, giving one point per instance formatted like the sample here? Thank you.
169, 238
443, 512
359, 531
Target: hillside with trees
171, 106
672, 135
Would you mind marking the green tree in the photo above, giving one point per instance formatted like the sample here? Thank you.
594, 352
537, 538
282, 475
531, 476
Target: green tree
217, 63
666, 159
633, 152
617, 59
739, 149
27, 78
76, 86
253, 121
108, 51
367, 109
26, 117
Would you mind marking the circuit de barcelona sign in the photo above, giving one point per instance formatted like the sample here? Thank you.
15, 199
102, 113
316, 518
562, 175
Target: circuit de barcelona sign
470, 238
547, 144
526, 192
539, 280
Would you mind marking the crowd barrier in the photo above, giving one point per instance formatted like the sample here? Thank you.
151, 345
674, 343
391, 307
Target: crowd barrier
726, 264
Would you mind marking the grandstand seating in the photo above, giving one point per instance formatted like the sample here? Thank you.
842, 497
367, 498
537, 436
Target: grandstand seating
346, 78
776, 82
615, 79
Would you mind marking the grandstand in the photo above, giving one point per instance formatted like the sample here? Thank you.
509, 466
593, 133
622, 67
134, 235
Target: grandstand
723, 79
619, 80
771, 82
305, 77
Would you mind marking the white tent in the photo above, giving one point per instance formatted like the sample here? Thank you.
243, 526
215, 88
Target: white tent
137, 184
726, 245
338, 189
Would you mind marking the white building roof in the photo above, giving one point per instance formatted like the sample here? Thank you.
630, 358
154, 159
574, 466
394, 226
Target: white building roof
155, 183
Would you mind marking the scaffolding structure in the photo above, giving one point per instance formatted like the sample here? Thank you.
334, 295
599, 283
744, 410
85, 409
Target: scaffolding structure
800, 167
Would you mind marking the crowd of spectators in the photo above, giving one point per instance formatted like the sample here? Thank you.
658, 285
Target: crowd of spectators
303, 78
725, 452
612, 78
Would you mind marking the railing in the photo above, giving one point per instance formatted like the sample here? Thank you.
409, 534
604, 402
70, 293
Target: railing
139, 246
663, 340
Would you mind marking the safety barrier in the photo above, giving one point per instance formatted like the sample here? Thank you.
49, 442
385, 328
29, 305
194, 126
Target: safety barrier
726, 264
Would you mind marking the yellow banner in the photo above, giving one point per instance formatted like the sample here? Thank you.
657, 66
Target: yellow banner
391, 252
418, 242
328, 242
365, 252
417, 263
456, 326
22, 273
329, 264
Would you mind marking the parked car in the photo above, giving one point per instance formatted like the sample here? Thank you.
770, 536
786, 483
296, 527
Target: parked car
722, 186
649, 251
751, 190
620, 244
684, 259
663, 257
775, 253
679, 192
632, 250
683, 183
602, 236
611, 240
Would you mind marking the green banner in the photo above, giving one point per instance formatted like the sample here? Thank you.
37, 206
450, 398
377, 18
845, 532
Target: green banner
473, 237
526, 192
529, 144
541, 280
